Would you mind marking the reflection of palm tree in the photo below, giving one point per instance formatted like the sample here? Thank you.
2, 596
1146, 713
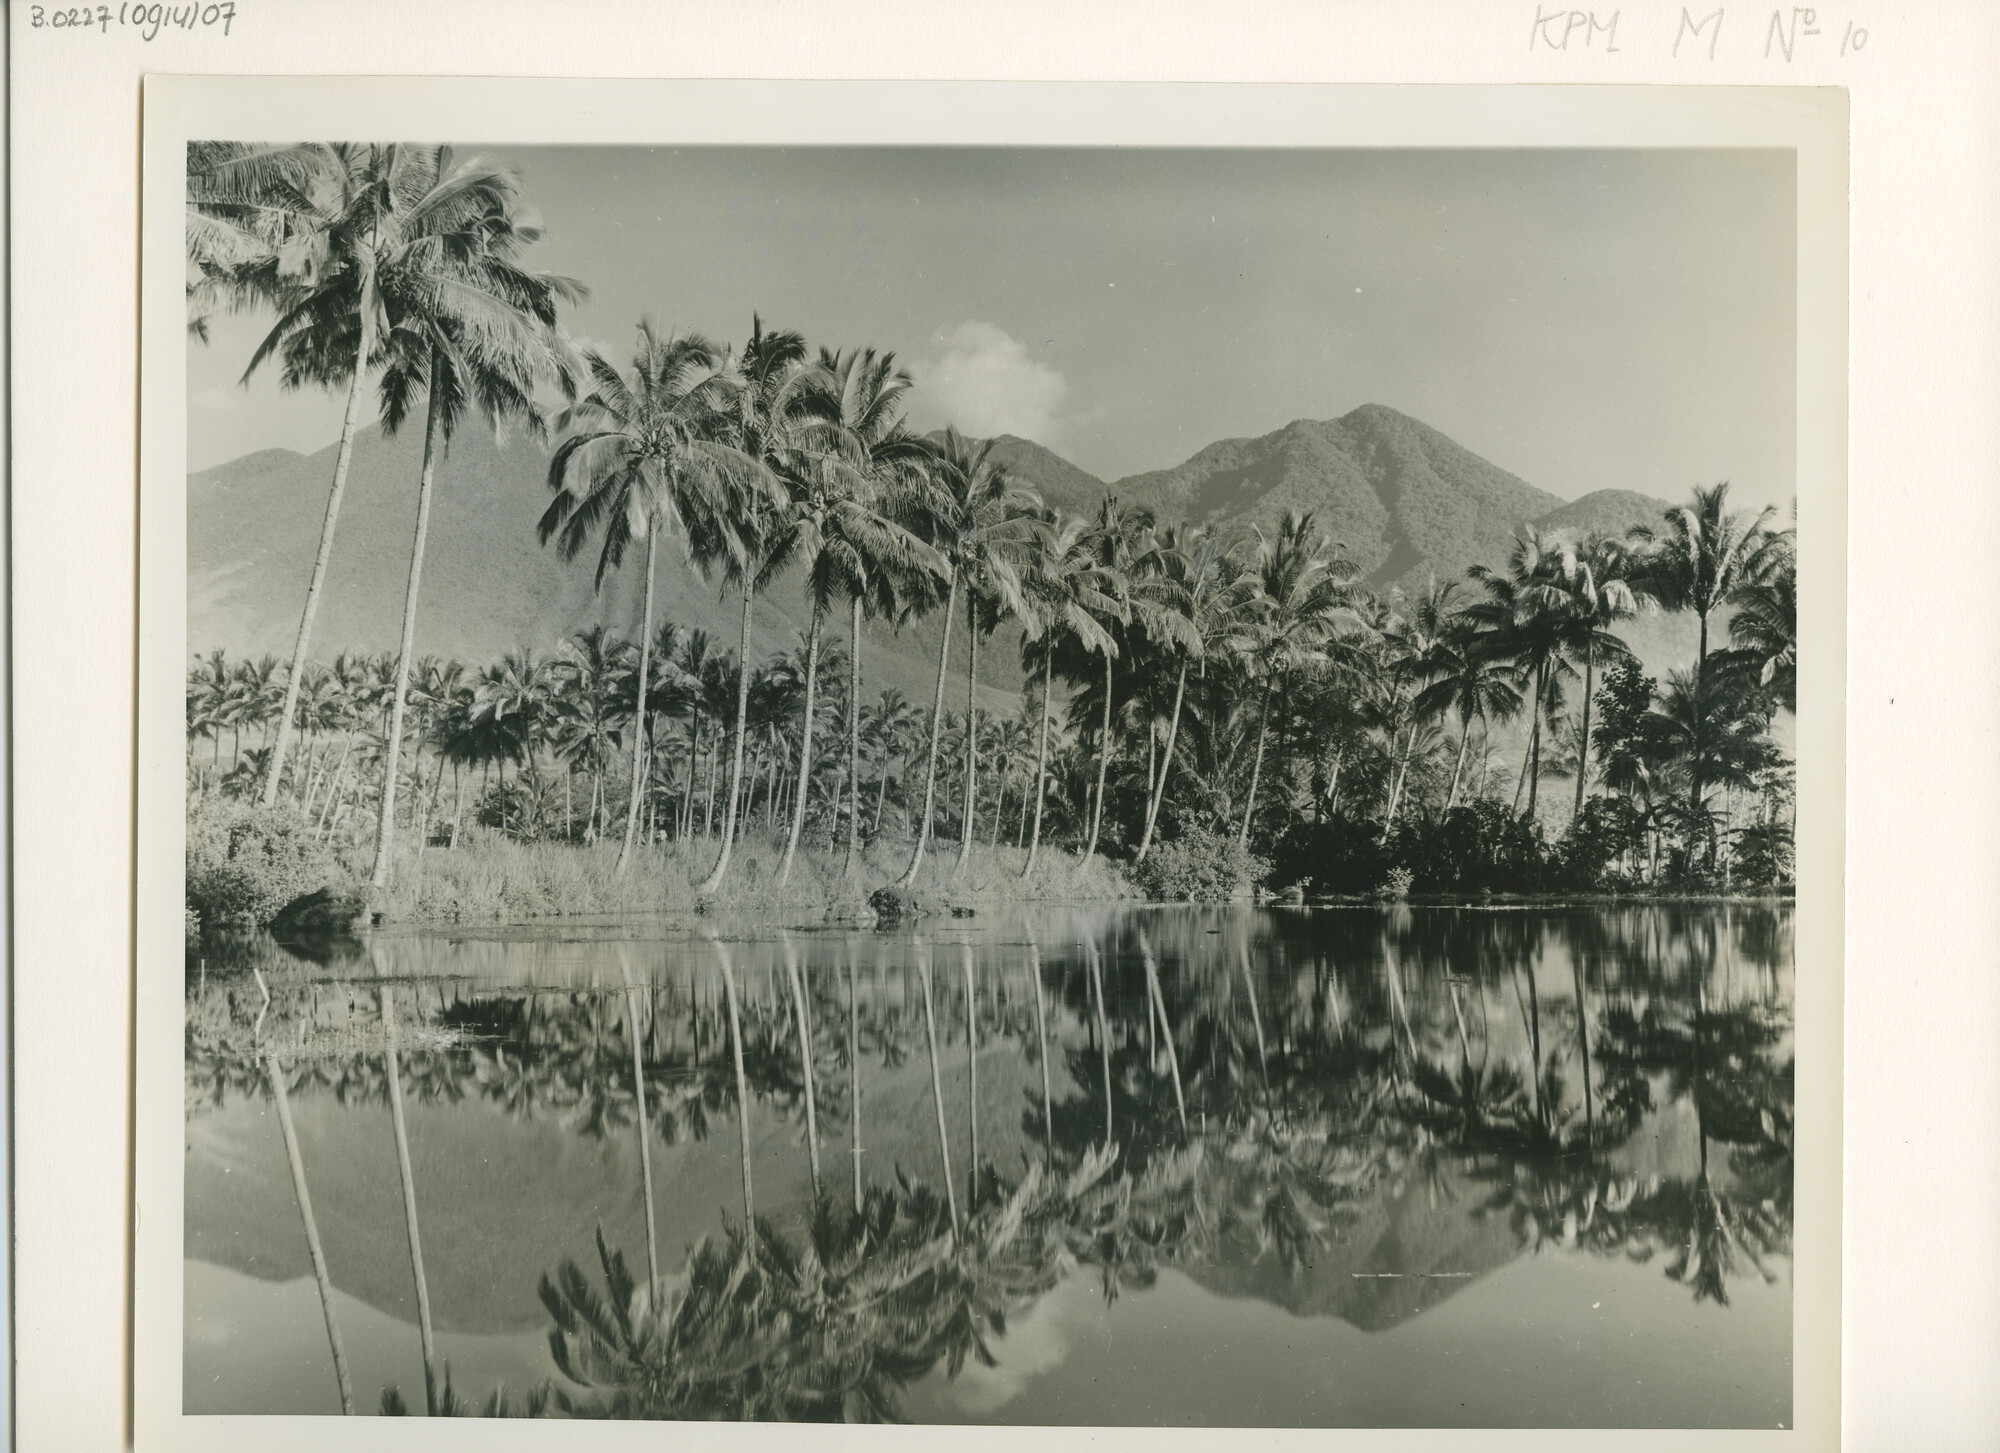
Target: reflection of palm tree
1042, 1045
1103, 1032
742, 1083
972, 1074
798, 992
644, 1121
409, 1198
937, 1087
312, 1232
1166, 1027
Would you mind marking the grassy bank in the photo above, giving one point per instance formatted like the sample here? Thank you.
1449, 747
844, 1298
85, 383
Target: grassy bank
494, 879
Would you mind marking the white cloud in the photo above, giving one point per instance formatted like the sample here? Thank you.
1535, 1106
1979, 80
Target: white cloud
985, 382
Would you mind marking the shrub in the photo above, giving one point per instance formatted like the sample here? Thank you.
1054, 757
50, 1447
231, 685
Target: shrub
1200, 865
245, 862
1396, 886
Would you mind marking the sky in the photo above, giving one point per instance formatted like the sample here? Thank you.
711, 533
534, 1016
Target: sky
1586, 319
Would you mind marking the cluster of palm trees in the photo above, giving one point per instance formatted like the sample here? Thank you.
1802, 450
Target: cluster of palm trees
1230, 1101
1257, 679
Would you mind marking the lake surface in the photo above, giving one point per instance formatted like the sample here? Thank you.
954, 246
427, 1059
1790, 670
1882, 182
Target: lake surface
1399, 1166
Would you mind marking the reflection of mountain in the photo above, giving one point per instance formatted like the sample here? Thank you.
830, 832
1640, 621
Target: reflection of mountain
1400, 1232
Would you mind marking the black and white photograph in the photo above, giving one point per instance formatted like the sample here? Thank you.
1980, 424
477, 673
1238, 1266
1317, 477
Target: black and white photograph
1044, 784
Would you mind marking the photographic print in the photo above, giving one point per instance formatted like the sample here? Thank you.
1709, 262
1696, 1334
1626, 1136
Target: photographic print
1061, 784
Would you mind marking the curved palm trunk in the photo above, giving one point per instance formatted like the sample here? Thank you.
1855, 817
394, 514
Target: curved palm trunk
1166, 1028
1396, 791
1041, 764
854, 1068
1583, 742
798, 988
645, 1123
937, 1090
348, 423
714, 879
971, 729
742, 1084
320, 1276
1256, 767
1535, 741
424, 1332
937, 724
1103, 767
639, 707
1458, 772
1583, 1043
854, 755
385, 839
972, 1072
1103, 1031
1042, 1044
805, 753
1166, 766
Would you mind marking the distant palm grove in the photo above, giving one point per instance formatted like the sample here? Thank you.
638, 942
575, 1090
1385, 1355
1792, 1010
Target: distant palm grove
1206, 707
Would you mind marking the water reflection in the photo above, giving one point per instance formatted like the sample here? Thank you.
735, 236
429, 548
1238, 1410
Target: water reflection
1353, 1113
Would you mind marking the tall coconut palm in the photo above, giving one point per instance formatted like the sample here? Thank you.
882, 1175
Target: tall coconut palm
1528, 610
968, 508
1601, 593
767, 416
1765, 623
1195, 573
641, 456
1067, 598
1701, 556
844, 532
472, 327
1296, 593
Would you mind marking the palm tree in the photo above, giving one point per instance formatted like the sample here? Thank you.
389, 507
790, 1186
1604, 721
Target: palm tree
767, 415
1602, 595
641, 457
1705, 552
844, 532
1066, 596
1296, 591
1765, 625
1475, 685
968, 508
1528, 610
1195, 571
470, 326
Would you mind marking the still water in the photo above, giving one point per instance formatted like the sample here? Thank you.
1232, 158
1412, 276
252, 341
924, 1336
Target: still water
1237, 1167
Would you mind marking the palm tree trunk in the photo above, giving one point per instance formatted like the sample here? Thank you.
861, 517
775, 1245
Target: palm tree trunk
1583, 742
1535, 741
742, 1085
881, 798
937, 1090
424, 1333
313, 1246
854, 760
971, 729
645, 1123
348, 423
798, 988
1457, 772
937, 725
385, 838
1166, 766
714, 879
1103, 1031
639, 706
1166, 1028
1042, 1045
854, 1069
1041, 762
1103, 767
972, 1073
805, 752
1256, 767
1396, 789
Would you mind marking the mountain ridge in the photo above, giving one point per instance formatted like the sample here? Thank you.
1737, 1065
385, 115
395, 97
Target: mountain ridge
1405, 500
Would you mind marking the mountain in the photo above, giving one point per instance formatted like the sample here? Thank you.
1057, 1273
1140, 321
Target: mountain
1404, 499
